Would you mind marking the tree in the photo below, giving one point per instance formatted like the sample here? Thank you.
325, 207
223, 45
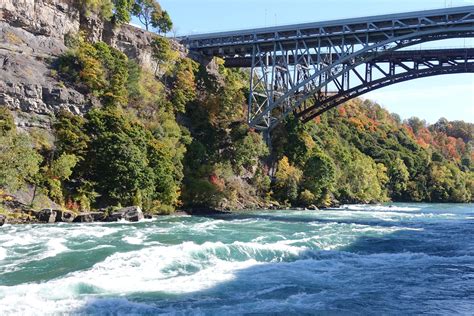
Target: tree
7, 124
249, 150
148, 12
164, 23
70, 135
121, 170
51, 177
99, 69
161, 51
19, 162
122, 10
319, 176
399, 176
103, 8
287, 179
184, 85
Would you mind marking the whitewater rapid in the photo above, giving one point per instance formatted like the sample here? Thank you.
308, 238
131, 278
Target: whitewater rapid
362, 259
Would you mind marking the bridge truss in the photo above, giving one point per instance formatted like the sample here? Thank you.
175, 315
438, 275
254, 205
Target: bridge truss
307, 69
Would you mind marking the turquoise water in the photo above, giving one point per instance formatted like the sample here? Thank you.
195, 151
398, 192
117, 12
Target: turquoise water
402, 259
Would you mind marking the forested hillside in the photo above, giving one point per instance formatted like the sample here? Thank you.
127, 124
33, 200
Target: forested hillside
175, 137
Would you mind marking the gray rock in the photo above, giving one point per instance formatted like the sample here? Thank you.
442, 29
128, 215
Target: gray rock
90, 217
3, 220
65, 216
46, 216
130, 214
148, 216
84, 218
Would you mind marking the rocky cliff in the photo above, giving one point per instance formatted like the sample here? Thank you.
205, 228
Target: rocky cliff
32, 36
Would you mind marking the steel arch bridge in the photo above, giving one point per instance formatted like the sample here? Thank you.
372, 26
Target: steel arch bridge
307, 69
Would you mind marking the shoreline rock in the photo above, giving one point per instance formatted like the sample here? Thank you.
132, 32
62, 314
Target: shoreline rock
130, 214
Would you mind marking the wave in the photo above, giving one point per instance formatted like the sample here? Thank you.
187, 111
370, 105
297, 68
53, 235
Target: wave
380, 208
3, 253
191, 268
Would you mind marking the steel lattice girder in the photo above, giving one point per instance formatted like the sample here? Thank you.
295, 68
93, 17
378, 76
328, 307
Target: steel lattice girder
294, 66
349, 31
392, 69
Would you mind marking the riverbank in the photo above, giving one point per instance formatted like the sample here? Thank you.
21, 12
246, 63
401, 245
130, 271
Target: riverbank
19, 213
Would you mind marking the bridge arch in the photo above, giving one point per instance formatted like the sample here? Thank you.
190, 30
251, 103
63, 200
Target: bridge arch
425, 64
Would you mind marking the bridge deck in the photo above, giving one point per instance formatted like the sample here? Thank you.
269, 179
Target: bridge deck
330, 33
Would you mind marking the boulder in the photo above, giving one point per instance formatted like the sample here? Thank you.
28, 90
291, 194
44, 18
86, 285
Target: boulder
90, 217
130, 214
46, 216
313, 207
3, 220
65, 216
84, 218
148, 216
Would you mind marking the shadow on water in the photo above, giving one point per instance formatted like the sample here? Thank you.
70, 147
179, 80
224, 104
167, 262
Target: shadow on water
427, 270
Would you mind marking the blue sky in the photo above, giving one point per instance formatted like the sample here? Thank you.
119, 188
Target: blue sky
431, 98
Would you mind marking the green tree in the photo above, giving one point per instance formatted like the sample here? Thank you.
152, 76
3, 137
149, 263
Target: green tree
122, 10
184, 85
7, 123
161, 52
398, 178
121, 170
248, 151
164, 23
99, 69
52, 176
319, 176
19, 162
287, 180
70, 135
148, 12
103, 8
448, 184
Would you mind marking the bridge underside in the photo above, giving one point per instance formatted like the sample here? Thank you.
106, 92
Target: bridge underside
310, 68
387, 69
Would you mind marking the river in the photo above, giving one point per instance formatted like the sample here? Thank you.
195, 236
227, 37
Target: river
359, 259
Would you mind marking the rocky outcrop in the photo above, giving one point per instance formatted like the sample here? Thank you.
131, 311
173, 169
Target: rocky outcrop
130, 214
47, 216
90, 217
65, 216
49, 18
32, 36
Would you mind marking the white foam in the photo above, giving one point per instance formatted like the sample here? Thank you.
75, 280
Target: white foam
134, 240
55, 247
3, 253
20, 240
379, 207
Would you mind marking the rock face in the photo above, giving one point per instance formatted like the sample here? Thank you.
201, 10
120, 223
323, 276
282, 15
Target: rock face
32, 36
130, 214
3, 220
